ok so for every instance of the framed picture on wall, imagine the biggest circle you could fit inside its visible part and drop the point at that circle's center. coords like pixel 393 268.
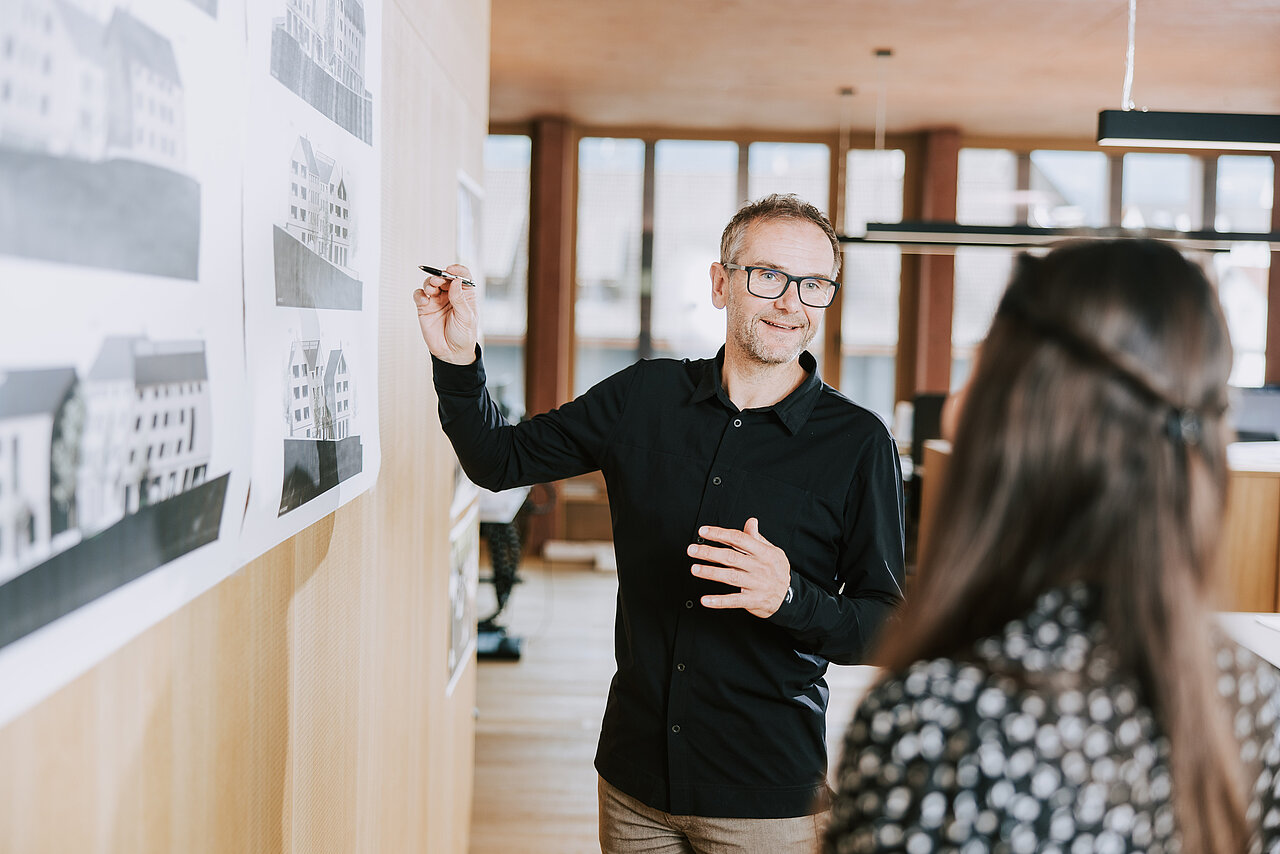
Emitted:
pixel 464 576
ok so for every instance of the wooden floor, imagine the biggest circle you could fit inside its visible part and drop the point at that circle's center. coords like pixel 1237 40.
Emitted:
pixel 538 719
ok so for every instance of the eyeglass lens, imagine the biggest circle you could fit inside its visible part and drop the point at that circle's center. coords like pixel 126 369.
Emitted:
pixel 771 284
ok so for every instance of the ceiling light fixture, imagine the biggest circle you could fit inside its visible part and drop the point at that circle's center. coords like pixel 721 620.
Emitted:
pixel 1161 129
pixel 846 94
pixel 882 55
pixel 932 238
pixel 1152 129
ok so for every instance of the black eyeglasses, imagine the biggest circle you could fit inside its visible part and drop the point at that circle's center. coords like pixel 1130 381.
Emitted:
pixel 767 283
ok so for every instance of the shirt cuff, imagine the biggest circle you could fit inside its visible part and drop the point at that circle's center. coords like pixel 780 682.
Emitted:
pixel 790 614
pixel 458 378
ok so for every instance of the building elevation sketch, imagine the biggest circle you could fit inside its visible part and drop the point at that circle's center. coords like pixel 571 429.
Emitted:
pixel 313 246
pixel 93 142
pixel 103 477
pixel 318 50
pixel 320 449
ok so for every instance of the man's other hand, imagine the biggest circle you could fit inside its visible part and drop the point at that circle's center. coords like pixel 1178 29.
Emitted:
pixel 759 569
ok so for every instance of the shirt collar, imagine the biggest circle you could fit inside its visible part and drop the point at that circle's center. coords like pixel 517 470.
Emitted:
pixel 793 410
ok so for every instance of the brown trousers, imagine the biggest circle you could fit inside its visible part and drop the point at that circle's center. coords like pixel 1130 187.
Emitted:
pixel 628 826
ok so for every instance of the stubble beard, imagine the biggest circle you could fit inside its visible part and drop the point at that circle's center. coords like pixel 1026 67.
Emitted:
pixel 755 347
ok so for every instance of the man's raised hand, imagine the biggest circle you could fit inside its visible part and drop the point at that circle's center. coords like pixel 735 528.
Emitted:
pixel 448 316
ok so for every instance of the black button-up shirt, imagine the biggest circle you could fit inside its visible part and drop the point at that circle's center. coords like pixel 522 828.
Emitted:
pixel 714 712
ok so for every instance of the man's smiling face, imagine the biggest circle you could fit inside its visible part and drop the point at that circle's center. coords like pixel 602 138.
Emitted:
pixel 773 331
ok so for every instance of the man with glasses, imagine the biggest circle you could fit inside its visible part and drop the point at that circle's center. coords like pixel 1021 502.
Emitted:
pixel 758 529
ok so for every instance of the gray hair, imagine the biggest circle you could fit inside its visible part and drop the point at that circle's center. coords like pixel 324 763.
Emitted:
pixel 777 206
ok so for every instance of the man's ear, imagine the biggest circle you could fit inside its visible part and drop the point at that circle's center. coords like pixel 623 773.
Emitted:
pixel 719 285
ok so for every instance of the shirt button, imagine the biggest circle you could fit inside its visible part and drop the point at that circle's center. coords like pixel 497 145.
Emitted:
pixel 701 540
pixel 689 603
pixel 675 728
pixel 737 422
pixel 680 667
pixel 716 481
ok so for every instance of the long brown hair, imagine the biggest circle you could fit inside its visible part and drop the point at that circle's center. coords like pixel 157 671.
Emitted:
pixel 1092 447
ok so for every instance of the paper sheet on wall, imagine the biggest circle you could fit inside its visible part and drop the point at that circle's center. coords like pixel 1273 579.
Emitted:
pixel 123 446
pixel 312 238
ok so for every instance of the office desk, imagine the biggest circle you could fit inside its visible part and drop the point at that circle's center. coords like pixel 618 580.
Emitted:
pixel 1259 633
pixel 1250 534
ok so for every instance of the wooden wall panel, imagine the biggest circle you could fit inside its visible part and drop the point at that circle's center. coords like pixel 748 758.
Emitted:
pixel 1248 574
pixel 301 704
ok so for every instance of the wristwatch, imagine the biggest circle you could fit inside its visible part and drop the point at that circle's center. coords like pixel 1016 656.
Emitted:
pixel 790 595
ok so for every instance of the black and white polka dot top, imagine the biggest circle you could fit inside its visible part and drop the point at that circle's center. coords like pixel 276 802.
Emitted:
pixel 956 757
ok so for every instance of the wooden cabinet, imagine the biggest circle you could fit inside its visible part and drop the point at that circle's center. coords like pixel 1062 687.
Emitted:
pixel 1250 561
pixel 1251 531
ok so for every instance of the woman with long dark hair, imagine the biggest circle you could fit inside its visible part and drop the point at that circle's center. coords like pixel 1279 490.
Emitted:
pixel 1056 681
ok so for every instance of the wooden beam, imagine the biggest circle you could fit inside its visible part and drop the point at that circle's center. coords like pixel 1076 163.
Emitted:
pixel 832 357
pixel 548 353
pixel 1115 188
pixel 1023 206
pixel 549 340
pixel 937 272
pixel 904 373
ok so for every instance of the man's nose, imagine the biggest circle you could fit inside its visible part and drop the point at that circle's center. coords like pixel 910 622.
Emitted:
pixel 789 299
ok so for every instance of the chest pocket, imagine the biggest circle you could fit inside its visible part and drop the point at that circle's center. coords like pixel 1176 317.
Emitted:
pixel 793 519
pixel 776 505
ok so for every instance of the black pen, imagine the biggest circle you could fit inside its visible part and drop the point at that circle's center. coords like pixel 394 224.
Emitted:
pixel 466 283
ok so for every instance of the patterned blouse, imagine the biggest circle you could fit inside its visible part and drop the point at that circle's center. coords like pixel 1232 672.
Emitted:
pixel 954 757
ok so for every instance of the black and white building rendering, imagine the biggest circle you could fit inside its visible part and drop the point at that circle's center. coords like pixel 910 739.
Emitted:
pixel 103 477
pixel 93 141
pixel 318 50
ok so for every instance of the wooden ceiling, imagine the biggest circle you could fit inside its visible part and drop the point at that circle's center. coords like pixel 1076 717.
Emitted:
pixel 992 68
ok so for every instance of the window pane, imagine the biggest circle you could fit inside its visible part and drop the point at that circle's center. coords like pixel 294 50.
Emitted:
pixel 1161 191
pixel 695 187
pixel 506 266
pixel 1068 189
pixel 981 276
pixel 789 167
pixel 986 192
pixel 1245 189
pixel 871 281
pixel 1244 201
pixel 1242 288
pixel 610 220
pixel 869 326
pixel 873 188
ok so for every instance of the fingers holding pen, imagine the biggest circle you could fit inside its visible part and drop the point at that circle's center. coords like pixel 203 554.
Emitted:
pixel 448 313
pixel 455 275
pixel 449 286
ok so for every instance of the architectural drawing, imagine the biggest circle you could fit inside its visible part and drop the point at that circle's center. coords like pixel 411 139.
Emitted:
pixel 320 449
pixel 210 6
pixel 314 247
pixel 102 477
pixel 93 142
pixel 312 225
pixel 148 415
pixel 318 50
pixel 320 402
pixel 464 576
pixel 38 414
